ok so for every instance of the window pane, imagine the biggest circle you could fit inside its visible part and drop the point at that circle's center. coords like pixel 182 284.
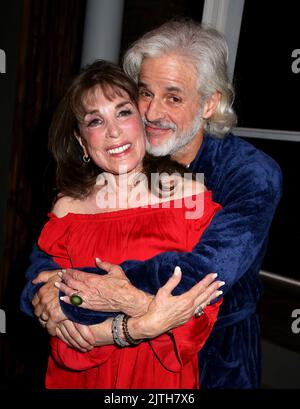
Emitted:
pixel 283 248
pixel 267 88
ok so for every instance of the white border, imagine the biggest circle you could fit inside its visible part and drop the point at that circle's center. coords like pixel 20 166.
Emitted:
pixel 272 134
pixel 280 278
pixel 226 16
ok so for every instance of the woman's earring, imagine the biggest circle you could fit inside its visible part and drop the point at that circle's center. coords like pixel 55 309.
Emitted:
pixel 86 159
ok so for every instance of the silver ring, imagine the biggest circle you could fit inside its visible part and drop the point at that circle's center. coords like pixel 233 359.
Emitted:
pixel 199 311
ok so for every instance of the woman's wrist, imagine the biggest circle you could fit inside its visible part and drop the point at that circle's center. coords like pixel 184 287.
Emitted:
pixel 140 328
pixel 135 328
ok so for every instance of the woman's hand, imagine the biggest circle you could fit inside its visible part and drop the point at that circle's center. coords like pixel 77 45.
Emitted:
pixel 111 292
pixel 76 335
pixel 167 311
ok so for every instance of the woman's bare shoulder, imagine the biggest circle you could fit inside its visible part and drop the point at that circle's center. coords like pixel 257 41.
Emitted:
pixel 65 205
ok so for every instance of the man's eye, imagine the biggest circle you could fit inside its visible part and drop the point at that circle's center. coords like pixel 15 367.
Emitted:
pixel 174 99
pixel 144 94
pixel 125 112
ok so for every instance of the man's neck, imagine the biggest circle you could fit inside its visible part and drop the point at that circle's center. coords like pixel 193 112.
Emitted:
pixel 188 153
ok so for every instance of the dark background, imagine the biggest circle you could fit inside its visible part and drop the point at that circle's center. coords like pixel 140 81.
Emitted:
pixel 42 40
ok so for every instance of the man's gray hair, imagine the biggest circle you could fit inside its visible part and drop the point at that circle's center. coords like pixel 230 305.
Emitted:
pixel 206 48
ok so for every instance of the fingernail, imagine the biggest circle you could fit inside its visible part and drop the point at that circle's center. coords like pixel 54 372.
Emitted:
pixel 63 298
pixel 177 271
pixel 218 293
pixel 63 271
pixel 56 284
pixel 98 260
pixel 60 274
pixel 215 275
pixel 221 283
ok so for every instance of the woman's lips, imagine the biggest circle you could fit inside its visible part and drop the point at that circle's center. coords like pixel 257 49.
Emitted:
pixel 120 150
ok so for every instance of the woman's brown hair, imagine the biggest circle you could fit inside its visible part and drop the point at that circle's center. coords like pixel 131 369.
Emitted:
pixel 74 177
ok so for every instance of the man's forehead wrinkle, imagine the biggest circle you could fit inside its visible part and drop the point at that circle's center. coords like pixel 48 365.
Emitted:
pixel 167 87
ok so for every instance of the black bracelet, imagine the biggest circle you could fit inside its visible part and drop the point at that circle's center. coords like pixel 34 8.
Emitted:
pixel 127 336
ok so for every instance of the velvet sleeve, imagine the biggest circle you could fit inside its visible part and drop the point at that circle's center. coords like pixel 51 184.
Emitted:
pixel 52 241
pixel 39 261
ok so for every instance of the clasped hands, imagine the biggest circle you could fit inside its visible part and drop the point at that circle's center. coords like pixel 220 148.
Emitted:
pixel 113 292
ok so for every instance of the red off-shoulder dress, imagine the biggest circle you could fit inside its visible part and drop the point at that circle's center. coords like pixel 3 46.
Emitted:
pixel 168 361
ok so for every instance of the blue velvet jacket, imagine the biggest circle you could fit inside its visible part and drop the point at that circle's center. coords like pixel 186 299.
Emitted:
pixel 247 183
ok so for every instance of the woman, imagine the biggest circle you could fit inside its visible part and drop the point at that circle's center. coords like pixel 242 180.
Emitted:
pixel 97 129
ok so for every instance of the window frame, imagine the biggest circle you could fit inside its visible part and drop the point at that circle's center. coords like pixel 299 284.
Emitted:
pixel 226 16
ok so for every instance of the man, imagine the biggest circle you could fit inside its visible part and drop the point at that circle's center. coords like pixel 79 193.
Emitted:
pixel 185 99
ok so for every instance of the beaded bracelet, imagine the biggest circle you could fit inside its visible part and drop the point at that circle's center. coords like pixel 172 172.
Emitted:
pixel 127 336
pixel 116 329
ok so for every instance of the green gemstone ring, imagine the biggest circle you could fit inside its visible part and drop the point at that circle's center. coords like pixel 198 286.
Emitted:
pixel 76 299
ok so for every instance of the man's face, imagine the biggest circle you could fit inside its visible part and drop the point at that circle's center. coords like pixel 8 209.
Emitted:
pixel 169 103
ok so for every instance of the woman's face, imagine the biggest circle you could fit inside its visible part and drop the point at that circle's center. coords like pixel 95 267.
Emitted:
pixel 111 132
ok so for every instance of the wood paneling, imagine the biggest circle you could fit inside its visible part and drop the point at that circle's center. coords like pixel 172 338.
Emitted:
pixel 50 45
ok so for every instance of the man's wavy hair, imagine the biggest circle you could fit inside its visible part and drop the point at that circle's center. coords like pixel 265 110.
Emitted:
pixel 206 48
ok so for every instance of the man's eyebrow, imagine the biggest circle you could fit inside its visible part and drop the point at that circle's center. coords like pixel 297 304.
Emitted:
pixel 169 88
pixel 173 88
pixel 142 84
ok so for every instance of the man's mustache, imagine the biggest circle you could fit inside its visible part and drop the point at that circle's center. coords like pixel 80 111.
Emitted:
pixel 160 124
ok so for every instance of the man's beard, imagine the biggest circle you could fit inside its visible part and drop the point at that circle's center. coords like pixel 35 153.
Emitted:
pixel 176 142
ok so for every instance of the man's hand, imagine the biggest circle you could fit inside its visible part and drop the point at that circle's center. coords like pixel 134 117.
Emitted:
pixel 111 292
pixel 46 301
pixel 76 335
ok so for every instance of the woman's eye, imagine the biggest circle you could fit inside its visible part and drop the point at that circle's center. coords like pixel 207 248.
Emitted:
pixel 94 122
pixel 125 112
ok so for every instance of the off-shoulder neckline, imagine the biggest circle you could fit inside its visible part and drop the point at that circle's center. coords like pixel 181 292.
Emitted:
pixel 131 211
